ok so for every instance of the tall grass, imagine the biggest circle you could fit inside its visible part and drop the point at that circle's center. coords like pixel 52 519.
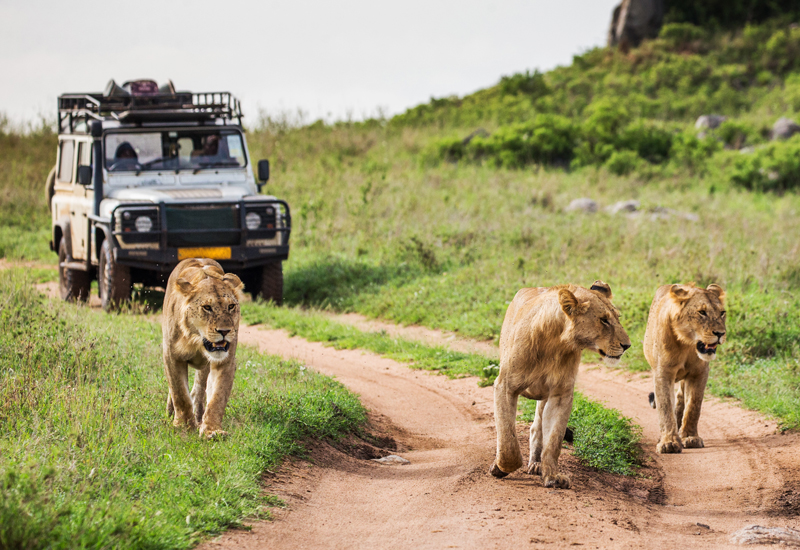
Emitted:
pixel 88 458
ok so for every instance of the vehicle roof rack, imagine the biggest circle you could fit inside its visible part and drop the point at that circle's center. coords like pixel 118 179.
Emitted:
pixel 165 105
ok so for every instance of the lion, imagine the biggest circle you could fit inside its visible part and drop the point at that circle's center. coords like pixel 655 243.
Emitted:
pixel 543 335
pixel 200 329
pixel 685 326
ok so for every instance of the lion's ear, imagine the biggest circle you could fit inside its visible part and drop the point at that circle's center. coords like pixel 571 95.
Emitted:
pixel 602 288
pixel 716 289
pixel 237 284
pixel 678 293
pixel 184 287
pixel 570 304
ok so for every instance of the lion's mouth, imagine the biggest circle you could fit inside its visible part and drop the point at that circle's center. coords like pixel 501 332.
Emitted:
pixel 222 345
pixel 604 354
pixel 706 349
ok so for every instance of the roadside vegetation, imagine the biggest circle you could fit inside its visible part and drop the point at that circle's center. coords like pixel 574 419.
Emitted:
pixel 88 458
pixel 603 438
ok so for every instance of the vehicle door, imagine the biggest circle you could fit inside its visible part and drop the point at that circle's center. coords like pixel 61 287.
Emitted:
pixel 64 187
pixel 83 203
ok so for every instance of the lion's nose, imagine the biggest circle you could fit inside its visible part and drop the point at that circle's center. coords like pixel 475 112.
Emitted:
pixel 223 332
pixel 625 347
pixel 719 334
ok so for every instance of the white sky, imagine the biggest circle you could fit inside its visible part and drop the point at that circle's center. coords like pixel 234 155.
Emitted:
pixel 330 58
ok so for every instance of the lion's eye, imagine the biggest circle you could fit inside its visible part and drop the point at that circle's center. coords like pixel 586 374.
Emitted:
pixel 703 313
pixel 231 307
pixel 604 320
pixel 208 308
pixel 723 313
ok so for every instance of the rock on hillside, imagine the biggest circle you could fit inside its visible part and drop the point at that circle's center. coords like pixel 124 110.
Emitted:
pixel 635 20
pixel 784 128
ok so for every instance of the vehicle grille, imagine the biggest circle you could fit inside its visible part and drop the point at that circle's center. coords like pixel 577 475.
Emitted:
pixel 203 226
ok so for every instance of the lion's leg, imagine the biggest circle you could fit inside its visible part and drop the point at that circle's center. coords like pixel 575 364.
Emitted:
pixel 536 441
pixel 680 403
pixel 665 405
pixel 170 406
pixel 509 457
pixel 695 388
pixel 219 385
pixel 178 379
pixel 199 393
pixel 555 415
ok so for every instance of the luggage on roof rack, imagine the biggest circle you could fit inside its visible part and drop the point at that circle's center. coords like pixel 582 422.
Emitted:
pixel 143 101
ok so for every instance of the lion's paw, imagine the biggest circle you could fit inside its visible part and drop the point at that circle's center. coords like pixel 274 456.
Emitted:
pixel 669 445
pixel 210 434
pixel 497 472
pixel 559 481
pixel 534 468
pixel 189 423
pixel 693 442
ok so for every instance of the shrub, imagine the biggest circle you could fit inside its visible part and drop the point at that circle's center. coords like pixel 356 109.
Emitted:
pixel 775 167
pixel 735 133
pixel 527 83
pixel 692 152
pixel 547 139
pixel 599 135
pixel 623 162
pixel 652 143
pixel 681 35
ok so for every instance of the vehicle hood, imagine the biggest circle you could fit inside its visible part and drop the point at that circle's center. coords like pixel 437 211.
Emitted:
pixel 179 194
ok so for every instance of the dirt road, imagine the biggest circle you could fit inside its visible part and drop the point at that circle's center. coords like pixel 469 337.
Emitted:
pixel 747 474
pixel 444 498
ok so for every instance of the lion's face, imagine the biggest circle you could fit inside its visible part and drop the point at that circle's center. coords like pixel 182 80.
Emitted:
pixel 595 321
pixel 212 312
pixel 701 318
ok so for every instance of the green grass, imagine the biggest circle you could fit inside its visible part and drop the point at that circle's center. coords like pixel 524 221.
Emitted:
pixel 88 458
pixel 604 439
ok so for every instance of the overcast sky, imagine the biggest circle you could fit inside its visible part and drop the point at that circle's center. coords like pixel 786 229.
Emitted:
pixel 329 58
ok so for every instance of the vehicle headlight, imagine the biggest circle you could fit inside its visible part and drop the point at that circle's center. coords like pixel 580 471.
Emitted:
pixel 252 221
pixel 143 224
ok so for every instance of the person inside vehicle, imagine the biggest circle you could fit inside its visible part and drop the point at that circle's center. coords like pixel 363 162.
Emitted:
pixel 125 157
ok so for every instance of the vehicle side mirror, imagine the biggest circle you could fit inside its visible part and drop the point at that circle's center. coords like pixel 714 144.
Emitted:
pixel 84 175
pixel 263 171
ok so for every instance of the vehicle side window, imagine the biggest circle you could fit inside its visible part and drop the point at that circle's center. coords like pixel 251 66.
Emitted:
pixel 84 154
pixel 67 159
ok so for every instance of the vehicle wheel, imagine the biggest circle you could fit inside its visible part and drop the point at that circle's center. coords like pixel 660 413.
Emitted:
pixel 73 284
pixel 271 285
pixel 113 280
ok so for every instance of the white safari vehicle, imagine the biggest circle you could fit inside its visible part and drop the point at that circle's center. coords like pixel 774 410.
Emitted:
pixel 145 177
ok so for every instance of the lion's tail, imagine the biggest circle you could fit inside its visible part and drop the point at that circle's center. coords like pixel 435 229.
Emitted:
pixel 652 398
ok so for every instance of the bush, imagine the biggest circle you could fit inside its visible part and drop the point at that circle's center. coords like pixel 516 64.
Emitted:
pixel 735 133
pixel 527 83
pixel 652 143
pixel 600 131
pixel 623 162
pixel 692 152
pixel 681 35
pixel 547 139
pixel 775 167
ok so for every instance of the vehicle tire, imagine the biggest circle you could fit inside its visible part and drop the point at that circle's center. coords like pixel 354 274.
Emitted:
pixel 113 280
pixel 271 284
pixel 73 284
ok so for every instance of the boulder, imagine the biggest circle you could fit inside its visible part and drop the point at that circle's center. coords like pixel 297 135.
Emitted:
pixel 784 128
pixel 634 20
pixel 709 122
pixel 623 207
pixel 582 205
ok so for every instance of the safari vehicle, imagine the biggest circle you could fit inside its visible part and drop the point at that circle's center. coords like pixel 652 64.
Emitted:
pixel 146 177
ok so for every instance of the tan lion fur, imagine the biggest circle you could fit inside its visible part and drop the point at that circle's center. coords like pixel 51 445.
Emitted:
pixel 543 334
pixel 201 308
pixel 684 327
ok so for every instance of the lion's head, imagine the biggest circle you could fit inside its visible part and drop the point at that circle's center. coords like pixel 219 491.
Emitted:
pixel 594 320
pixel 700 320
pixel 210 310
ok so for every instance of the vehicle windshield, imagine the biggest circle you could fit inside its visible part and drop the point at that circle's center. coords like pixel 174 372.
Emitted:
pixel 174 150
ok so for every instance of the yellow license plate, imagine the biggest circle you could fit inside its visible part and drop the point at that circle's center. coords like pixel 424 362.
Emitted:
pixel 215 253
